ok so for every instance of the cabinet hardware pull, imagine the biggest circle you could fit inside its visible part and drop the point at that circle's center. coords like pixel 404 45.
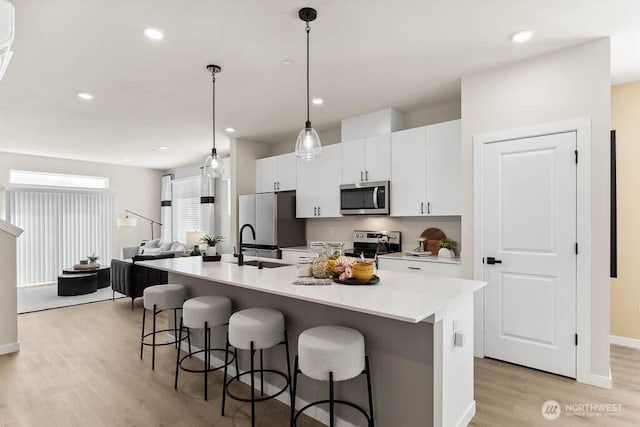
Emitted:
pixel 278 184
pixel 315 211
pixel 318 210
pixel 422 208
pixel 361 176
pixel 429 207
pixel 274 186
pixel 366 175
pixel 414 268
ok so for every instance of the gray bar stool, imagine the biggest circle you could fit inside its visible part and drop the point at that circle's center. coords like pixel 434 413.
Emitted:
pixel 256 329
pixel 332 353
pixel 160 298
pixel 204 312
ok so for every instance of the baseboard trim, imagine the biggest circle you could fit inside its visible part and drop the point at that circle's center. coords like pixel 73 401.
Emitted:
pixel 13 347
pixel 468 415
pixel 625 342
pixel 316 412
pixel 597 380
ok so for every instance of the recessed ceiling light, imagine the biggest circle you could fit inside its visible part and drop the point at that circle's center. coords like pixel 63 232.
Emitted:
pixel 287 62
pixel 153 34
pixel 163 147
pixel 522 36
pixel 126 159
pixel 230 130
pixel 85 96
pixel 317 101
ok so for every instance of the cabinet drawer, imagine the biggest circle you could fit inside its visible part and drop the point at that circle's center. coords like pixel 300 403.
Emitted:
pixel 421 267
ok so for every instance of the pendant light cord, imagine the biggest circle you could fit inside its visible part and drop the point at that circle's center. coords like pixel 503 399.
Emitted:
pixel 308 30
pixel 213 110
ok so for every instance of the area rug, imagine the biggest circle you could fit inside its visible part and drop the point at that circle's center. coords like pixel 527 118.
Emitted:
pixel 39 298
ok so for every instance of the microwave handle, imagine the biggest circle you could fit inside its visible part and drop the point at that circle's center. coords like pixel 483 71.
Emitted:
pixel 375 197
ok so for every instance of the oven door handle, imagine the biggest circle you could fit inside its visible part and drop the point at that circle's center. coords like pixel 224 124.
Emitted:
pixel 375 197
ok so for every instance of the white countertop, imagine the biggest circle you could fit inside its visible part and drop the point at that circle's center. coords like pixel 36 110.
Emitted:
pixel 405 257
pixel 400 296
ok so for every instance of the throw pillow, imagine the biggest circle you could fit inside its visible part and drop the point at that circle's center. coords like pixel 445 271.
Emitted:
pixel 177 246
pixel 153 243
pixel 165 246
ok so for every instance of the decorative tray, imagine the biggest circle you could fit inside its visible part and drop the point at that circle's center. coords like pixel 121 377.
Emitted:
pixel 211 258
pixel 355 282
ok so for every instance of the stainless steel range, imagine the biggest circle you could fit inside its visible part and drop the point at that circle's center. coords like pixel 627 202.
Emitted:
pixel 372 243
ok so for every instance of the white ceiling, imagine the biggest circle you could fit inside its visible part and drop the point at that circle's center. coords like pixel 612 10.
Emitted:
pixel 366 55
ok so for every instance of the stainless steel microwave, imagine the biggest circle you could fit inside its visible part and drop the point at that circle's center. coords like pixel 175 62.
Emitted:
pixel 365 198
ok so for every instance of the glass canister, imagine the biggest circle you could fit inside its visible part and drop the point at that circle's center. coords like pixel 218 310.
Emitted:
pixel 304 267
pixel 334 251
pixel 320 268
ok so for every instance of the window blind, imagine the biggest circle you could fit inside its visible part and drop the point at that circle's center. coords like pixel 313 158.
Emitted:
pixel 186 206
pixel 60 228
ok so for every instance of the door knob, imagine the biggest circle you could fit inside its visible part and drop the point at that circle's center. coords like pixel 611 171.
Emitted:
pixel 491 260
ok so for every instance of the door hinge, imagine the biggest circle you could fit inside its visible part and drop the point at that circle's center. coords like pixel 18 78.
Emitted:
pixel 576 248
pixel 576 152
pixel 576 339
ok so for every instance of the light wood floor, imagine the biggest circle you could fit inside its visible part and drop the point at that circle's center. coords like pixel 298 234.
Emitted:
pixel 79 366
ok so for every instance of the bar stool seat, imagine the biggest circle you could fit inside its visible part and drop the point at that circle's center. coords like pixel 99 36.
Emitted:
pixel 332 353
pixel 164 297
pixel 262 326
pixel 326 349
pixel 204 312
pixel 159 298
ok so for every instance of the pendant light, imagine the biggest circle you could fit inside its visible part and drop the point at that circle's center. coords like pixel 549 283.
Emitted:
pixel 308 146
pixel 212 166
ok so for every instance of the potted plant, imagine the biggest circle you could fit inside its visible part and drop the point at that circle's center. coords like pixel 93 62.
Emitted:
pixel 447 248
pixel 93 258
pixel 211 242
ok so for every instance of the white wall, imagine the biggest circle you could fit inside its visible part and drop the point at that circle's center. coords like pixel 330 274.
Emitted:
pixel 135 189
pixel 8 294
pixel 567 84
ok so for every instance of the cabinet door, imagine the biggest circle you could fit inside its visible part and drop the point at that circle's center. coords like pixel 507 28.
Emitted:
pixel 306 188
pixel 329 178
pixel 444 169
pixel 408 186
pixel 265 174
pixel 286 172
pixel 352 160
pixel 377 158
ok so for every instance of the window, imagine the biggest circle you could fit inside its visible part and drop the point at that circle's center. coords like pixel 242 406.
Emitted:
pixel 61 227
pixel 185 201
pixel 43 179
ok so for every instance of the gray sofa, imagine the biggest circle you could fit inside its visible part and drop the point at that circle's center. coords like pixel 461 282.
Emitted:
pixel 156 247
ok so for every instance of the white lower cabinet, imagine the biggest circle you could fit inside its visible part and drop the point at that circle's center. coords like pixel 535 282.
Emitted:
pixel 426 268
pixel 291 257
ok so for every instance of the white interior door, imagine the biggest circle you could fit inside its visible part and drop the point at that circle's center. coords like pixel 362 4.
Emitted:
pixel 529 216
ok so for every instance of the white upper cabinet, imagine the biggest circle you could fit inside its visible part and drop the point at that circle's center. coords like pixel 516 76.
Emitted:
pixel 444 168
pixel 426 165
pixel 408 176
pixel 276 173
pixel 366 159
pixel 318 185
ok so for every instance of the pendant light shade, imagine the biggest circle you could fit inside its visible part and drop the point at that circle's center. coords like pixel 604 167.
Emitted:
pixel 308 145
pixel 212 166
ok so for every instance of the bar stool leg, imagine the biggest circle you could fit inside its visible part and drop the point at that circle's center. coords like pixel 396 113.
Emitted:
pixel 261 375
pixel 235 354
pixel 175 325
pixel 366 361
pixel 286 349
pixel 153 349
pixel 175 384
pixel 293 392
pixel 331 404
pixel 144 312
pixel 188 338
pixel 253 391
pixel 224 377
pixel 207 356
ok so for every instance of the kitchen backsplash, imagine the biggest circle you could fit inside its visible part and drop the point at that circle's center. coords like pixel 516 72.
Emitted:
pixel 341 229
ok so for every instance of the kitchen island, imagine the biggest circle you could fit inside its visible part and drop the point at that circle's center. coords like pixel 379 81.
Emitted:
pixel 421 376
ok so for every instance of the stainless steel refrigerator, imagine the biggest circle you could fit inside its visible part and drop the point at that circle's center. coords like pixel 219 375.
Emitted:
pixel 273 216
